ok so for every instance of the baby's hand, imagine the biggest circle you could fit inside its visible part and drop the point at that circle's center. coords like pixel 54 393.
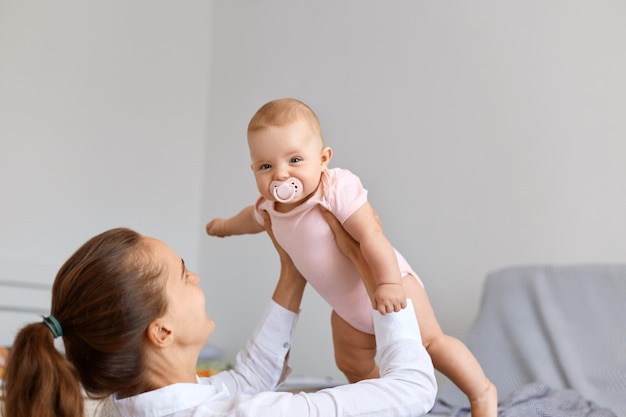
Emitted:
pixel 217 227
pixel 389 298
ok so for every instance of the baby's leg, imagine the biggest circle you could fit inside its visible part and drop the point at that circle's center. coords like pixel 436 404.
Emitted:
pixel 450 356
pixel 355 351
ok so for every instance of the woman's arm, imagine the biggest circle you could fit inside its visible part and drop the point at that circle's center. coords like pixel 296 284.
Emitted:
pixel 407 386
pixel 290 287
pixel 262 364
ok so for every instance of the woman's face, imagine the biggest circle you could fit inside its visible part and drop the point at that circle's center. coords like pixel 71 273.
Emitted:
pixel 186 315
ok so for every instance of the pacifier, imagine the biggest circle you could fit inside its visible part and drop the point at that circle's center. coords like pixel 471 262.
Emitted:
pixel 287 190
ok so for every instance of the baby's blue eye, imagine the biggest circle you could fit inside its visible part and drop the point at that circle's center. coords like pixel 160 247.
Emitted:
pixel 265 166
pixel 296 159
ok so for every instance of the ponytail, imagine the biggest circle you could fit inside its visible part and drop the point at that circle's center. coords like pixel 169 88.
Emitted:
pixel 39 380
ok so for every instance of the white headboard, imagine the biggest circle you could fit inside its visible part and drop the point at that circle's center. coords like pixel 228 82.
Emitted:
pixel 24 297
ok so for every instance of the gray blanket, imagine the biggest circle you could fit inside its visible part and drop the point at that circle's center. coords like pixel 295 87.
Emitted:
pixel 535 400
pixel 550 334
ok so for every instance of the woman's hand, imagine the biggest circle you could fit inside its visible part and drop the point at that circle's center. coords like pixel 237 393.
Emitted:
pixel 290 287
pixel 346 243
pixel 284 256
pixel 350 247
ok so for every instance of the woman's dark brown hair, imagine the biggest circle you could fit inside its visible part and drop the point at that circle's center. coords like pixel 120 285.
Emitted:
pixel 104 296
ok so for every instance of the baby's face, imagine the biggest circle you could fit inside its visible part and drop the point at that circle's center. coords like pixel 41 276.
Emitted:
pixel 281 152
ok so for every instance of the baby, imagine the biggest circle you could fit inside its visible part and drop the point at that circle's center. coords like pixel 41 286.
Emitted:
pixel 290 165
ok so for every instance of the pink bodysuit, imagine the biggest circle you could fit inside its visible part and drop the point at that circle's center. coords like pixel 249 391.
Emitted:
pixel 310 242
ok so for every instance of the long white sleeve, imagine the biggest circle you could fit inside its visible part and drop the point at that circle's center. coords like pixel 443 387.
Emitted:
pixel 406 387
pixel 261 365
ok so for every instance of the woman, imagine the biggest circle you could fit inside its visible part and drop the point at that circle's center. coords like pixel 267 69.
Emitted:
pixel 133 321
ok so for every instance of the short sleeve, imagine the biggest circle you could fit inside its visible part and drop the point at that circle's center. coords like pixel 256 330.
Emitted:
pixel 260 205
pixel 343 192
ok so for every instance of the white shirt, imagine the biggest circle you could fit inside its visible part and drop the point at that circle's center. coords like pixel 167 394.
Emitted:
pixel 406 388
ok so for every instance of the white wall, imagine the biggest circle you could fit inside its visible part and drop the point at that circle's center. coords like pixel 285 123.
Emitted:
pixel 103 111
pixel 488 133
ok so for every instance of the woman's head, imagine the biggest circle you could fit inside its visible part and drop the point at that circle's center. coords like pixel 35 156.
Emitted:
pixel 104 297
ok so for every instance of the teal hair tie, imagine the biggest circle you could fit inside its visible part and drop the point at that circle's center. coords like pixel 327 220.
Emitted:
pixel 54 326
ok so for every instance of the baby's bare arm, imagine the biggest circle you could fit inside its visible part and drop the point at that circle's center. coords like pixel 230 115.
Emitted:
pixel 386 290
pixel 241 223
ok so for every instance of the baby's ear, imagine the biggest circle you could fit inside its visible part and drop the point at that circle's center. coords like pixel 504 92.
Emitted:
pixel 327 154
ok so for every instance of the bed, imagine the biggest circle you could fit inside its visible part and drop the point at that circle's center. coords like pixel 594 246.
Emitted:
pixel 553 341
pixel 21 302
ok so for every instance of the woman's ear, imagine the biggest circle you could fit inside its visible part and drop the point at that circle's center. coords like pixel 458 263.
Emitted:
pixel 159 334
pixel 327 154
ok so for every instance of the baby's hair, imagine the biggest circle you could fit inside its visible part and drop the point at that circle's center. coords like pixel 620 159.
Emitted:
pixel 281 112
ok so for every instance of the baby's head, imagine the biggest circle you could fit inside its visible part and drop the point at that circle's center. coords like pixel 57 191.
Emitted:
pixel 282 112
pixel 287 151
